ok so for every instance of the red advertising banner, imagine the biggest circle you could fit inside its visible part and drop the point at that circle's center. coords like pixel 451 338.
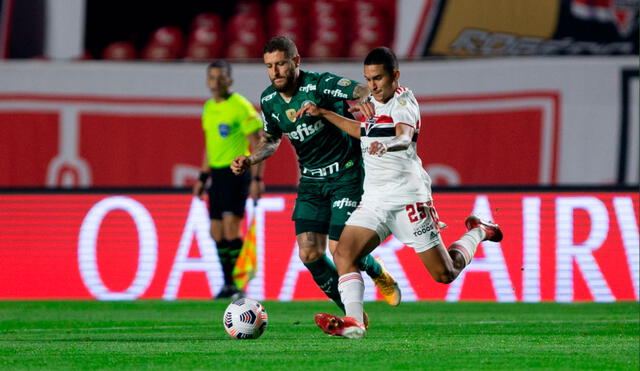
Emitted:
pixel 568 246
pixel 108 141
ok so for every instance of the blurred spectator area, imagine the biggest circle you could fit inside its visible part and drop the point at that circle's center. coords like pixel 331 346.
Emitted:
pixel 202 30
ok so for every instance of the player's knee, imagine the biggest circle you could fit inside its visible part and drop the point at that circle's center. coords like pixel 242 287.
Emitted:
pixel 309 254
pixel 445 276
pixel 342 255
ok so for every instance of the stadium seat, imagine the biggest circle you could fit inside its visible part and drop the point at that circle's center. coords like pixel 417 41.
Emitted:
pixel 286 18
pixel 208 21
pixel 158 52
pixel 245 36
pixel 120 51
pixel 328 36
pixel 167 40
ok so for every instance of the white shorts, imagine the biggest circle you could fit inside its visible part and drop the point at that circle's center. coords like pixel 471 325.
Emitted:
pixel 415 225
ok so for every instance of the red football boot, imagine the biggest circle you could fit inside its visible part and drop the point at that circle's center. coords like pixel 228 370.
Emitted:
pixel 492 230
pixel 347 327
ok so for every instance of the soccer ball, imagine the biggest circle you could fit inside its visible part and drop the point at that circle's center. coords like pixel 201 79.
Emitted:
pixel 245 319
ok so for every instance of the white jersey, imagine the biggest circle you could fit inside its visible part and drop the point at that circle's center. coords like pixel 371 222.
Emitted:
pixel 395 177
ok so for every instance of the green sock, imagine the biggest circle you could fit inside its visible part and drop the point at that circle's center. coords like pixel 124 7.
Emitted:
pixel 326 277
pixel 370 265
pixel 233 251
pixel 223 255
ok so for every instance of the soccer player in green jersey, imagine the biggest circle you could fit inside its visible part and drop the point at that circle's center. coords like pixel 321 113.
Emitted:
pixel 230 123
pixel 330 161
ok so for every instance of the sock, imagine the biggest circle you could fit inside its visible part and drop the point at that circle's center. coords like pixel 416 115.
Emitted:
pixel 468 243
pixel 351 288
pixel 233 251
pixel 370 265
pixel 326 277
pixel 223 255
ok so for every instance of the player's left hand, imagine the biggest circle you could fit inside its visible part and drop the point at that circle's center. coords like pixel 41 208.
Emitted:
pixel 377 148
pixel 308 109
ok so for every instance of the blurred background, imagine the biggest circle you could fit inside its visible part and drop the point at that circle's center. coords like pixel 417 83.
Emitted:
pixel 538 99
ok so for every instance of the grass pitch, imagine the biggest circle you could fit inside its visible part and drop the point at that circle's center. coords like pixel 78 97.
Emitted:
pixel 426 335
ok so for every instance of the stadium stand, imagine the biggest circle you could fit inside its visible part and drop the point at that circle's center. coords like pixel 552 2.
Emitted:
pixel 322 29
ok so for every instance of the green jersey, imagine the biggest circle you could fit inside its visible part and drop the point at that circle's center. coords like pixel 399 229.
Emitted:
pixel 323 149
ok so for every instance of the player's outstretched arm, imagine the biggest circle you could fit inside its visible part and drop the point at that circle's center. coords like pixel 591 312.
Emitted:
pixel 266 148
pixel 351 127
pixel 402 140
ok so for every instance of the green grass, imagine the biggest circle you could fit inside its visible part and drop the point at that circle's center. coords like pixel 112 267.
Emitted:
pixel 426 335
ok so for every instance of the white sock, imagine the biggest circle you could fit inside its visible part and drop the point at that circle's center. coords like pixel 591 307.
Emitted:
pixel 468 243
pixel 351 287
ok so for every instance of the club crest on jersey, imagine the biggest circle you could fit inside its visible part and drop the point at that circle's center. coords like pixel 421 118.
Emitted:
pixel 291 114
pixel 368 123
pixel 402 102
pixel 344 82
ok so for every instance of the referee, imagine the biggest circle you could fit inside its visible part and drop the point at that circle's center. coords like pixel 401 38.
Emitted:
pixel 230 123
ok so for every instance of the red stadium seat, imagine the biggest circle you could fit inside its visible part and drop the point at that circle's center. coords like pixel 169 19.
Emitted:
pixel 245 36
pixel 158 52
pixel 207 20
pixel 286 18
pixel 200 52
pixel 119 51
pixel 170 37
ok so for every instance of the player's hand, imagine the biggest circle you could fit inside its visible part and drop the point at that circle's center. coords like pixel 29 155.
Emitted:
pixel 308 109
pixel 377 148
pixel 256 189
pixel 240 165
pixel 198 190
pixel 366 108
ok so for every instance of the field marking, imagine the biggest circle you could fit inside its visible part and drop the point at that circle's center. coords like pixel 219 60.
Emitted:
pixel 128 328
pixel 104 328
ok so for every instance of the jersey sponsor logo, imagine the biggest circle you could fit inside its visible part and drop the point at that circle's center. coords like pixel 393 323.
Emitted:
pixel 303 131
pixel 291 114
pixel 224 129
pixel 307 88
pixel 337 93
pixel 426 227
pixel 345 202
pixel 321 172
pixel 344 82
pixel 267 98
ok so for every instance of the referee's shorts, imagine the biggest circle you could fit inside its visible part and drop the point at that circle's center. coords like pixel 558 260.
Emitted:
pixel 228 193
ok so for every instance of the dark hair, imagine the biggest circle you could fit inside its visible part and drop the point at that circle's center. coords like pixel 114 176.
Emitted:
pixel 221 63
pixel 384 56
pixel 281 44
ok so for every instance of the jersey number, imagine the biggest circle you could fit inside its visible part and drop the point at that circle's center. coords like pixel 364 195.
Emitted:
pixel 411 211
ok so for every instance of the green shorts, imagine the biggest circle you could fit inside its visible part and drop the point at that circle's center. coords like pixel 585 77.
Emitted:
pixel 323 206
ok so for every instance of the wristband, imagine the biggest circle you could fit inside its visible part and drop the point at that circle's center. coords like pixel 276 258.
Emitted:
pixel 203 177
pixel 257 178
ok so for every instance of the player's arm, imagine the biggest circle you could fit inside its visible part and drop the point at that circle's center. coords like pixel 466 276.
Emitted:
pixel 256 189
pixel 402 140
pixel 351 127
pixel 205 170
pixel 266 147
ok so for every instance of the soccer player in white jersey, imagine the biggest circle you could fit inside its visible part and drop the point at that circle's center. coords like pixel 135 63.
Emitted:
pixel 397 194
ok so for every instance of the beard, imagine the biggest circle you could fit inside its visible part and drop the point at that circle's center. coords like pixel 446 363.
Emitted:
pixel 288 84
